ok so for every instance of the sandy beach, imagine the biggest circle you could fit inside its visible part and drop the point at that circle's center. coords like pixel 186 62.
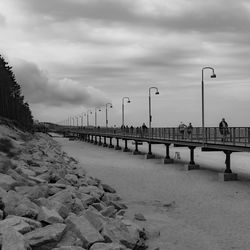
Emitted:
pixel 192 209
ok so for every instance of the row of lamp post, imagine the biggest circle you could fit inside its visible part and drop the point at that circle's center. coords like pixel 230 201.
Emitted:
pixel 109 105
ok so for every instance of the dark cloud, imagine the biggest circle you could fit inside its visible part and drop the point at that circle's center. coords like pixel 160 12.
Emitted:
pixel 221 15
pixel 38 88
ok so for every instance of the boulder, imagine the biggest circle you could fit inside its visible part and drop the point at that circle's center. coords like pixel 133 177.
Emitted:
pixel 62 210
pixel 6 182
pixel 84 230
pixel 11 239
pixel 95 218
pixel 21 224
pixel 109 211
pixel 108 246
pixel 69 248
pixel 33 192
pixel 116 231
pixel 71 178
pixel 77 206
pixel 108 188
pixel 80 172
pixel 17 204
pixel 86 199
pixel 70 239
pixel 49 215
pixel 46 237
pixel 65 197
pixel 139 216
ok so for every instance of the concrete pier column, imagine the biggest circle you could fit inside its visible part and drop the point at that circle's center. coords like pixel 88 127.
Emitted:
pixel 136 151
pixel 105 142
pixel 95 140
pixel 228 175
pixel 167 159
pixel 126 149
pixel 110 143
pixel 92 139
pixel 100 141
pixel 149 155
pixel 191 164
pixel 117 147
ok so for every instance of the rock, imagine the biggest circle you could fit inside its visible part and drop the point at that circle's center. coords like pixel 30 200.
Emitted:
pixel 11 239
pixel 92 181
pixel 49 215
pixel 21 224
pixel 84 230
pixel 109 211
pixel 95 218
pixel 77 206
pixel 33 192
pixel 116 231
pixel 99 206
pixel 17 204
pixel 46 237
pixel 70 239
pixel 65 197
pixel 69 248
pixel 107 197
pixel 71 178
pixel 24 170
pixel 86 199
pixel 80 172
pixel 118 205
pixel 6 182
pixel 107 188
pixel 108 246
pixel 62 210
pixel 5 163
pixel 1 214
pixel 139 216
pixel 36 179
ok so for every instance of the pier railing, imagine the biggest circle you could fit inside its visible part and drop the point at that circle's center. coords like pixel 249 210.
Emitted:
pixel 233 136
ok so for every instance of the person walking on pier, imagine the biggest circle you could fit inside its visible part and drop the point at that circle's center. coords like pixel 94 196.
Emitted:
pixel 182 128
pixel 144 129
pixel 189 130
pixel 223 127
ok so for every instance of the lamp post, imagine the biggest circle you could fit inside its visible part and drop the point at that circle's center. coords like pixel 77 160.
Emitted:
pixel 202 99
pixel 149 155
pixel 96 115
pixel 89 111
pixel 128 101
pixel 110 105
pixel 76 120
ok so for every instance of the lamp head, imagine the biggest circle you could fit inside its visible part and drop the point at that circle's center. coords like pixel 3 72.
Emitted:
pixel 213 75
pixel 129 101
pixel 111 106
pixel 157 93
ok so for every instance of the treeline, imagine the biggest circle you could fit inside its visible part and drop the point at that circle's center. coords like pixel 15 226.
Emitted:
pixel 12 104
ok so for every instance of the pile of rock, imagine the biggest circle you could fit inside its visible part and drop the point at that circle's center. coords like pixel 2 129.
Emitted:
pixel 48 201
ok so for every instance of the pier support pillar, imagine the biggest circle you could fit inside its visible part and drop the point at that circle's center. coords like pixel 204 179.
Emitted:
pixel 117 147
pixel 92 139
pixel 149 155
pixel 136 151
pixel 126 149
pixel 95 140
pixel 105 142
pixel 167 159
pixel 192 164
pixel 228 175
pixel 100 141
pixel 110 143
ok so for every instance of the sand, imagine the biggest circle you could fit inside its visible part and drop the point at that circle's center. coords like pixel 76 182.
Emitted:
pixel 192 209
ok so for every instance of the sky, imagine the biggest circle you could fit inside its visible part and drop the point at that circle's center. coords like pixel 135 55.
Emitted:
pixel 71 56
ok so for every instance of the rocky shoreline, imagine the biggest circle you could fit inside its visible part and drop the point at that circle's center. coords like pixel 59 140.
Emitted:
pixel 48 201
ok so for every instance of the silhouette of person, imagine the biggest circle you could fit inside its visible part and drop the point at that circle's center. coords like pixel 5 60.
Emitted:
pixel 182 127
pixel 189 129
pixel 223 127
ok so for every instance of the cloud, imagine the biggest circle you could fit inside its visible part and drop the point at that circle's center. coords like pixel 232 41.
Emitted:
pixel 2 20
pixel 38 88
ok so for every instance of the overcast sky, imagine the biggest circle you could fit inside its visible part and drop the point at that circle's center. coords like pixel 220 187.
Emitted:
pixel 70 56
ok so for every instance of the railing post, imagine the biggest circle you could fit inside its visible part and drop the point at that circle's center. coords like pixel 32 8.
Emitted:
pixel 248 135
